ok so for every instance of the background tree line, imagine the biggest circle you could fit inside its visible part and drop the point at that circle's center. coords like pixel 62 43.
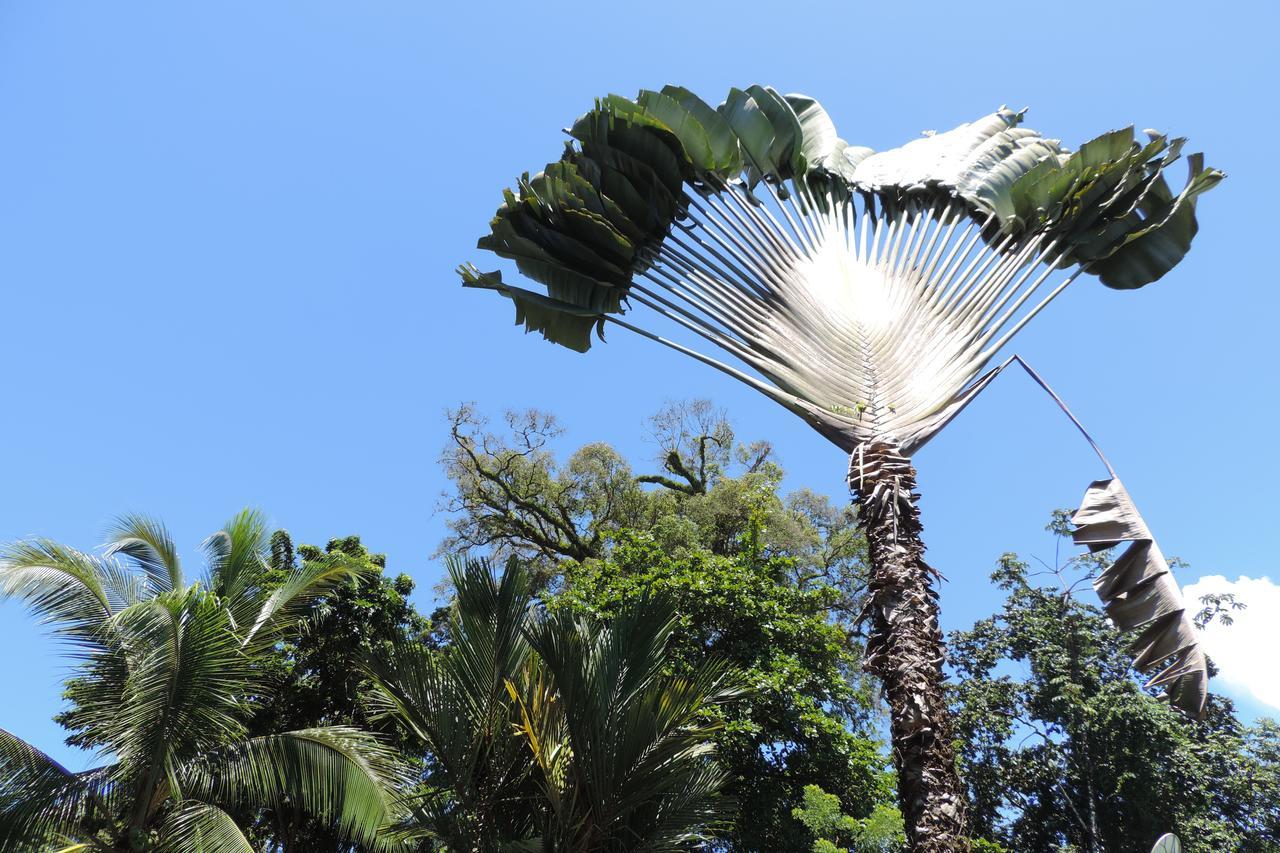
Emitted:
pixel 702 576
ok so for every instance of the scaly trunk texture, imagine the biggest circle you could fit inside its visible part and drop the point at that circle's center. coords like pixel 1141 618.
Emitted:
pixel 905 649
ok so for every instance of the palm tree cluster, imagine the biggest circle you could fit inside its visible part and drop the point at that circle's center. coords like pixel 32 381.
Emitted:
pixel 612 753
pixel 546 731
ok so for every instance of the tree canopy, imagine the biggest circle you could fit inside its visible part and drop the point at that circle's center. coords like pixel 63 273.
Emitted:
pixel 1061 747
pixel 771 581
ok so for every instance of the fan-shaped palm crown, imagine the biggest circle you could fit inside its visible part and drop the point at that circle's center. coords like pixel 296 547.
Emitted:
pixel 865 291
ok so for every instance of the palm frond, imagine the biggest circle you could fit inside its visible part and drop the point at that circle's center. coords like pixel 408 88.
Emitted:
pixel 145 541
pixel 639 740
pixel 186 676
pixel 456 699
pixel 74 592
pixel 236 561
pixel 864 291
pixel 41 802
pixel 290 602
pixel 338 774
pixel 196 827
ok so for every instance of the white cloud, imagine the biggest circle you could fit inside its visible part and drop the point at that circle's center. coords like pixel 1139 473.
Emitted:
pixel 1246 650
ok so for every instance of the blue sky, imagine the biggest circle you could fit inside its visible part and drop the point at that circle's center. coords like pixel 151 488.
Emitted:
pixel 228 233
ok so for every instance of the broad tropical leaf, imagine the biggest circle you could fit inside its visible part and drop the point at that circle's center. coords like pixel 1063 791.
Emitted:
pixel 146 543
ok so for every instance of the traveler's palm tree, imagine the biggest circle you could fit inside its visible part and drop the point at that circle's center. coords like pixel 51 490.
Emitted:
pixel 866 292
pixel 166 671
pixel 554 732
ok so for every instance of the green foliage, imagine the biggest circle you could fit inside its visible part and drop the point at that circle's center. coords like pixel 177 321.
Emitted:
pixel 316 675
pixel 552 731
pixel 771 581
pixel 511 495
pixel 1061 746
pixel 880 832
pixel 164 668
pixel 804 722
pixel 821 815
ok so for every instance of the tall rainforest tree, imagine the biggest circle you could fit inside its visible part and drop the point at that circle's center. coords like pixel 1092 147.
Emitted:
pixel 554 732
pixel 166 666
pixel 866 292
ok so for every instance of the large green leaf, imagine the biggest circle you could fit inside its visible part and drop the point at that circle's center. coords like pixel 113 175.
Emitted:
pixel 559 322
pixel 818 137
pixel 1163 239
pixel 752 127
pixel 725 150
pixel 672 115
pixel 787 149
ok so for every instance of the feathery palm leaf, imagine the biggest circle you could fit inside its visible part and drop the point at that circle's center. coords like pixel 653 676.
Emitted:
pixel 185 680
pixel 74 592
pixel 196 827
pixel 41 802
pixel 335 772
pixel 628 746
pixel 146 543
pixel 294 597
pixel 236 562
pixel 165 672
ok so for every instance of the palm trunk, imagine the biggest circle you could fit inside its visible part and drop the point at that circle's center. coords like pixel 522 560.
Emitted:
pixel 905 649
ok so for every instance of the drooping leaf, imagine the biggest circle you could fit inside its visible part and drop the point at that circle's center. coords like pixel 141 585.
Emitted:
pixel 1164 236
pixel 1139 592
pixel 559 322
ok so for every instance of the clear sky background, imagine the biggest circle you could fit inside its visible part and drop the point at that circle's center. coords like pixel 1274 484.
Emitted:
pixel 228 233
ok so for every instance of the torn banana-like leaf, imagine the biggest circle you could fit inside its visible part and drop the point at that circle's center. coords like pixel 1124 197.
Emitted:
pixel 1139 594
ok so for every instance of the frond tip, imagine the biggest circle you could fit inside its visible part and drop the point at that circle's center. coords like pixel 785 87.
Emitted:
pixel 864 291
